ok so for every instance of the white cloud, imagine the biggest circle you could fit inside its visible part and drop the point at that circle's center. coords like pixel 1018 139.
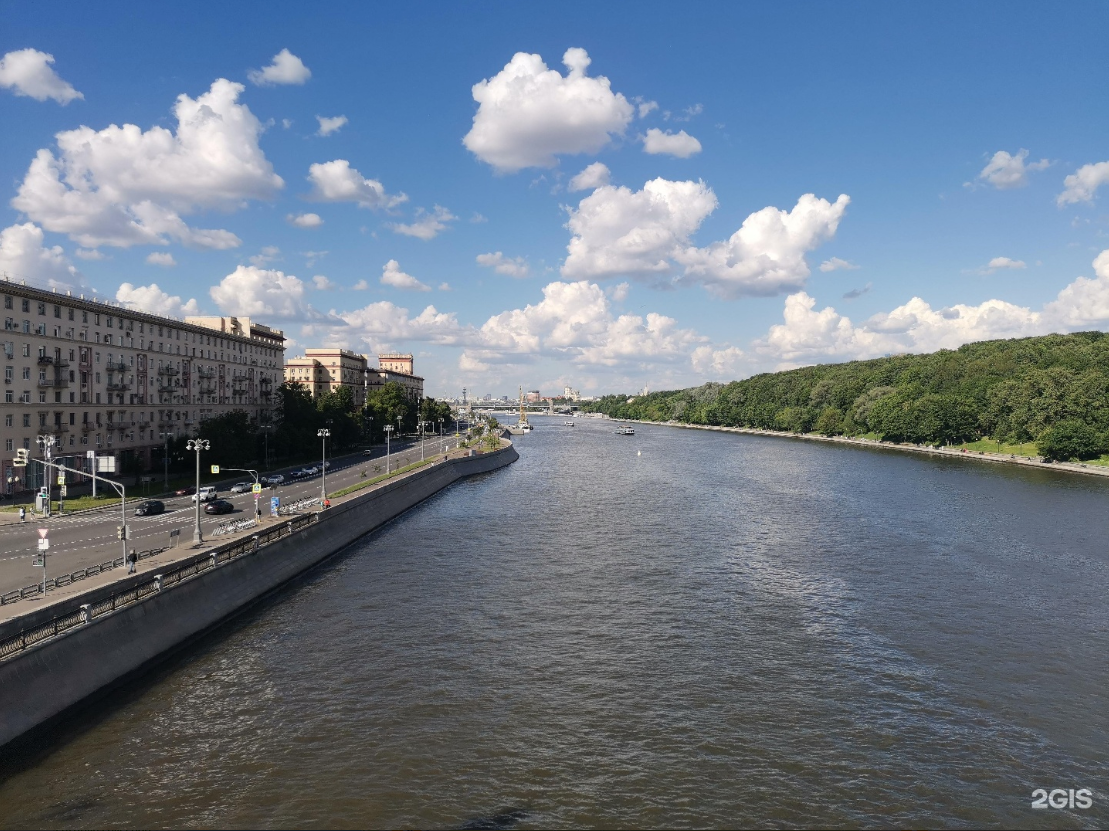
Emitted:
pixel 24 257
pixel 592 177
pixel 1084 302
pixel 27 72
pixel 304 220
pixel 646 234
pixel 361 285
pixel 719 364
pixel 1081 185
pixel 121 186
pixel 310 257
pixel 836 264
pixel 269 254
pixel 1005 171
pixel 477 218
pixel 517 267
pixel 427 225
pixel 618 232
pixel 679 144
pixel 323 284
pixel 337 181
pixel 855 294
pixel 391 275
pixel 1003 262
pixel 286 68
pixel 689 113
pixel 645 108
pixel 286 123
pixel 529 114
pixel 330 125
pixel 90 254
pixel 257 292
pixel 153 300
pixel 619 292
pixel 381 325
pixel 162 258
pixel 444 286
pixel 766 256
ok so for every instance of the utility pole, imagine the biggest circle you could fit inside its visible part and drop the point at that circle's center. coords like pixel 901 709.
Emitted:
pixel 323 433
pixel 388 433
pixel 47 445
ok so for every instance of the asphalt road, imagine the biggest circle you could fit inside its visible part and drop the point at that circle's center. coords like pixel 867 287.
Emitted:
pixel 85 539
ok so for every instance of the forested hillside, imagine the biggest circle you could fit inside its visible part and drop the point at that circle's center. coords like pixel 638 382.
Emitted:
pixel 1053 390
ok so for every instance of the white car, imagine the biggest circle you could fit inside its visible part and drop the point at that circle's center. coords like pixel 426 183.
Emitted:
pixel 206 494
pixel 275 479
pixel 241 487
pixel 311 471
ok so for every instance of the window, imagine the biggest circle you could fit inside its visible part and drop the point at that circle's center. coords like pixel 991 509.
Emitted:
pixel 26 305
pixel 26 327
pixel 108 321
pixel 7 301
pixel 26 373
pixel 71 314
pixel 42 397
pixel 42 309
pixel 8 444
pixel 84 317
pixel 26 350
pixel 26 419
pixel 57 311
pixel 8 396
pixel 9 420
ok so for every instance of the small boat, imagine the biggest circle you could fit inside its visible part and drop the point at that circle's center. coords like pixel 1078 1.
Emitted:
pixel 567 424
pixel 625 430
pixel 522 426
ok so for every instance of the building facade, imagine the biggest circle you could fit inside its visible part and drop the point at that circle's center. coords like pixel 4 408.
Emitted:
pixel 326 370
pixel 99 377
pixel 398 368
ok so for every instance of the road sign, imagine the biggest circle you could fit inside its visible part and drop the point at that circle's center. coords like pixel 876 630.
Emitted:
pixel 256 488
pixel 43 532
pixel 215 468
pixel 39 560
pixel 61 478
pixel 275 503
pixel 44 544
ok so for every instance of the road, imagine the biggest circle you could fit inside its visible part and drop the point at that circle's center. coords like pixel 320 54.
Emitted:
pixel 84 539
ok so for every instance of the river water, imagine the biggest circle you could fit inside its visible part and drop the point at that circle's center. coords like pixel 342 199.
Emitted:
pixel 677 628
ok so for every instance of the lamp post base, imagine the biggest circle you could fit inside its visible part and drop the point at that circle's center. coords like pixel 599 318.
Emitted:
pixel 198 537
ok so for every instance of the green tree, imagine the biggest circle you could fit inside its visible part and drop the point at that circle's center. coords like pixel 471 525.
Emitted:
pixel 384 405
pixel 1070 439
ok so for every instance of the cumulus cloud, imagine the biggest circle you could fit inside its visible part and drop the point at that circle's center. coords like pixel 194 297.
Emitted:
pixel 304 220
pixel 426 225
pixel 529 114
pixel 592 177
pixel 121 186
pixel 24 257
pixel 719 364
pixel 645 108
pixel 1081 185
pixel 269 254
pixel 162 258
pixel 647 234
pixel 619 292
pixel 836 264
pixel 1007 171
pixel 258 292
pixel 811 336
pixel 286 68
pixel 679 144
pixel 337 181
pixel 361 285
pixel 391 275
pixel 330 125
pixel 998 263
pixel 28 72
pixel 512 267
pixel 323 284
pixel 153 300
pixel 382 324
pixel 90 254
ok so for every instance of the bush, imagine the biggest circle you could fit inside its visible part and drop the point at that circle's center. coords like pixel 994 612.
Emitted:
pixel 1070 439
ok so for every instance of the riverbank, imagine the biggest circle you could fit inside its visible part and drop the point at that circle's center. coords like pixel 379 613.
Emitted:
pixel 90 639
pixel 947 452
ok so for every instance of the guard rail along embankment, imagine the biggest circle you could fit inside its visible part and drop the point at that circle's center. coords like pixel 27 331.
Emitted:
pixel 58 656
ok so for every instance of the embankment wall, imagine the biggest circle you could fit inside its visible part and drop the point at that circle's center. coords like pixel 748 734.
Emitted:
pixel 46 679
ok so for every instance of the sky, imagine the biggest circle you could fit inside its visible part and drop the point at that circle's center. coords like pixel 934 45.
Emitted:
pixel 609 197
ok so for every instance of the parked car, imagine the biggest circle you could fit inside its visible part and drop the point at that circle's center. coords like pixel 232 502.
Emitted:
pixel 191 489
pixel 150 507
pixel 219 506
pixel 206 494
pixel 367 452
pixel 311 471
pixel 242 487
pixel 273 479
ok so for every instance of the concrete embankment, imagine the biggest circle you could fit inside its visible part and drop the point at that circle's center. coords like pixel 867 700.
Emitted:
pixel 115 631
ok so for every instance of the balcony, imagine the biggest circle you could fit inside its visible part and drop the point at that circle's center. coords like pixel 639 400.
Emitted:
pixel 118 387
pixel 205 373
pixel 166 388
pixel 207 390
pixel 61 428
pixel 47 382
pixel 117 366
pixel 168 370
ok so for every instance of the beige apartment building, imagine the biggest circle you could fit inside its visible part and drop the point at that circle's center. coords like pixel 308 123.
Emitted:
pixel 99 377
pixel 325 370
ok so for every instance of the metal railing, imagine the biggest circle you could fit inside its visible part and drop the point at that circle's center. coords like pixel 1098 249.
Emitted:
pixel 87 612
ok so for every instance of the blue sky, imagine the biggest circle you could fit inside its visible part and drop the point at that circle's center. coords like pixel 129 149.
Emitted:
pixel 827 182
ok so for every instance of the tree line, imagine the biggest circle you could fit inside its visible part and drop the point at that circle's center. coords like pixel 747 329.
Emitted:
pixel 1051 390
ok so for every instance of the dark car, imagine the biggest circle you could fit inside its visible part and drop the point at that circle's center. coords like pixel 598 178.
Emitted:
pixel 189 491
pixel 219 506
pixel 149 507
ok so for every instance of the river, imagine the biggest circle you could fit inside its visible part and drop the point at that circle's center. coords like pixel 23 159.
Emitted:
pixel 672 629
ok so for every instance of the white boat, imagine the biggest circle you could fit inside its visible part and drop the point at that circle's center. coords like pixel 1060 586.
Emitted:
pixel 625 430
pixel 567 424
pixel 522 426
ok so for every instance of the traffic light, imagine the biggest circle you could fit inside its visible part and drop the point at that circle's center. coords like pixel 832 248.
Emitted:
pixel 121 532
pixel 20 459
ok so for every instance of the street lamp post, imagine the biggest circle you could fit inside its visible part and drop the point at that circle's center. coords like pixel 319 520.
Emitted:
pixel 323 433
pixel 388 434
pixel 198 445
pixel 440 435
pixel 165 458
pixel 371 429
pixel 47 445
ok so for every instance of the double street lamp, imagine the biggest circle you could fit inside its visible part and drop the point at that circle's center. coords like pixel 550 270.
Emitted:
pixel 388 434
pixel 323 433
pixel 198 445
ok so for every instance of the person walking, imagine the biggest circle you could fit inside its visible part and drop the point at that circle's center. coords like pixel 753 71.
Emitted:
pixel 326 503
pixel 22 514
pixel 132 559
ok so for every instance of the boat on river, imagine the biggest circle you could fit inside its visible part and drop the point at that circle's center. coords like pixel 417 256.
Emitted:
pixel 625 430
pixel 522 426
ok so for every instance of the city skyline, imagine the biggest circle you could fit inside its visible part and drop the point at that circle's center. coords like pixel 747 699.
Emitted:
pixel 580 198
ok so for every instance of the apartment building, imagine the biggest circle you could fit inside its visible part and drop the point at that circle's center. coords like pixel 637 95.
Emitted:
pixel 99 377
pixel 326 370
pixel 399 368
